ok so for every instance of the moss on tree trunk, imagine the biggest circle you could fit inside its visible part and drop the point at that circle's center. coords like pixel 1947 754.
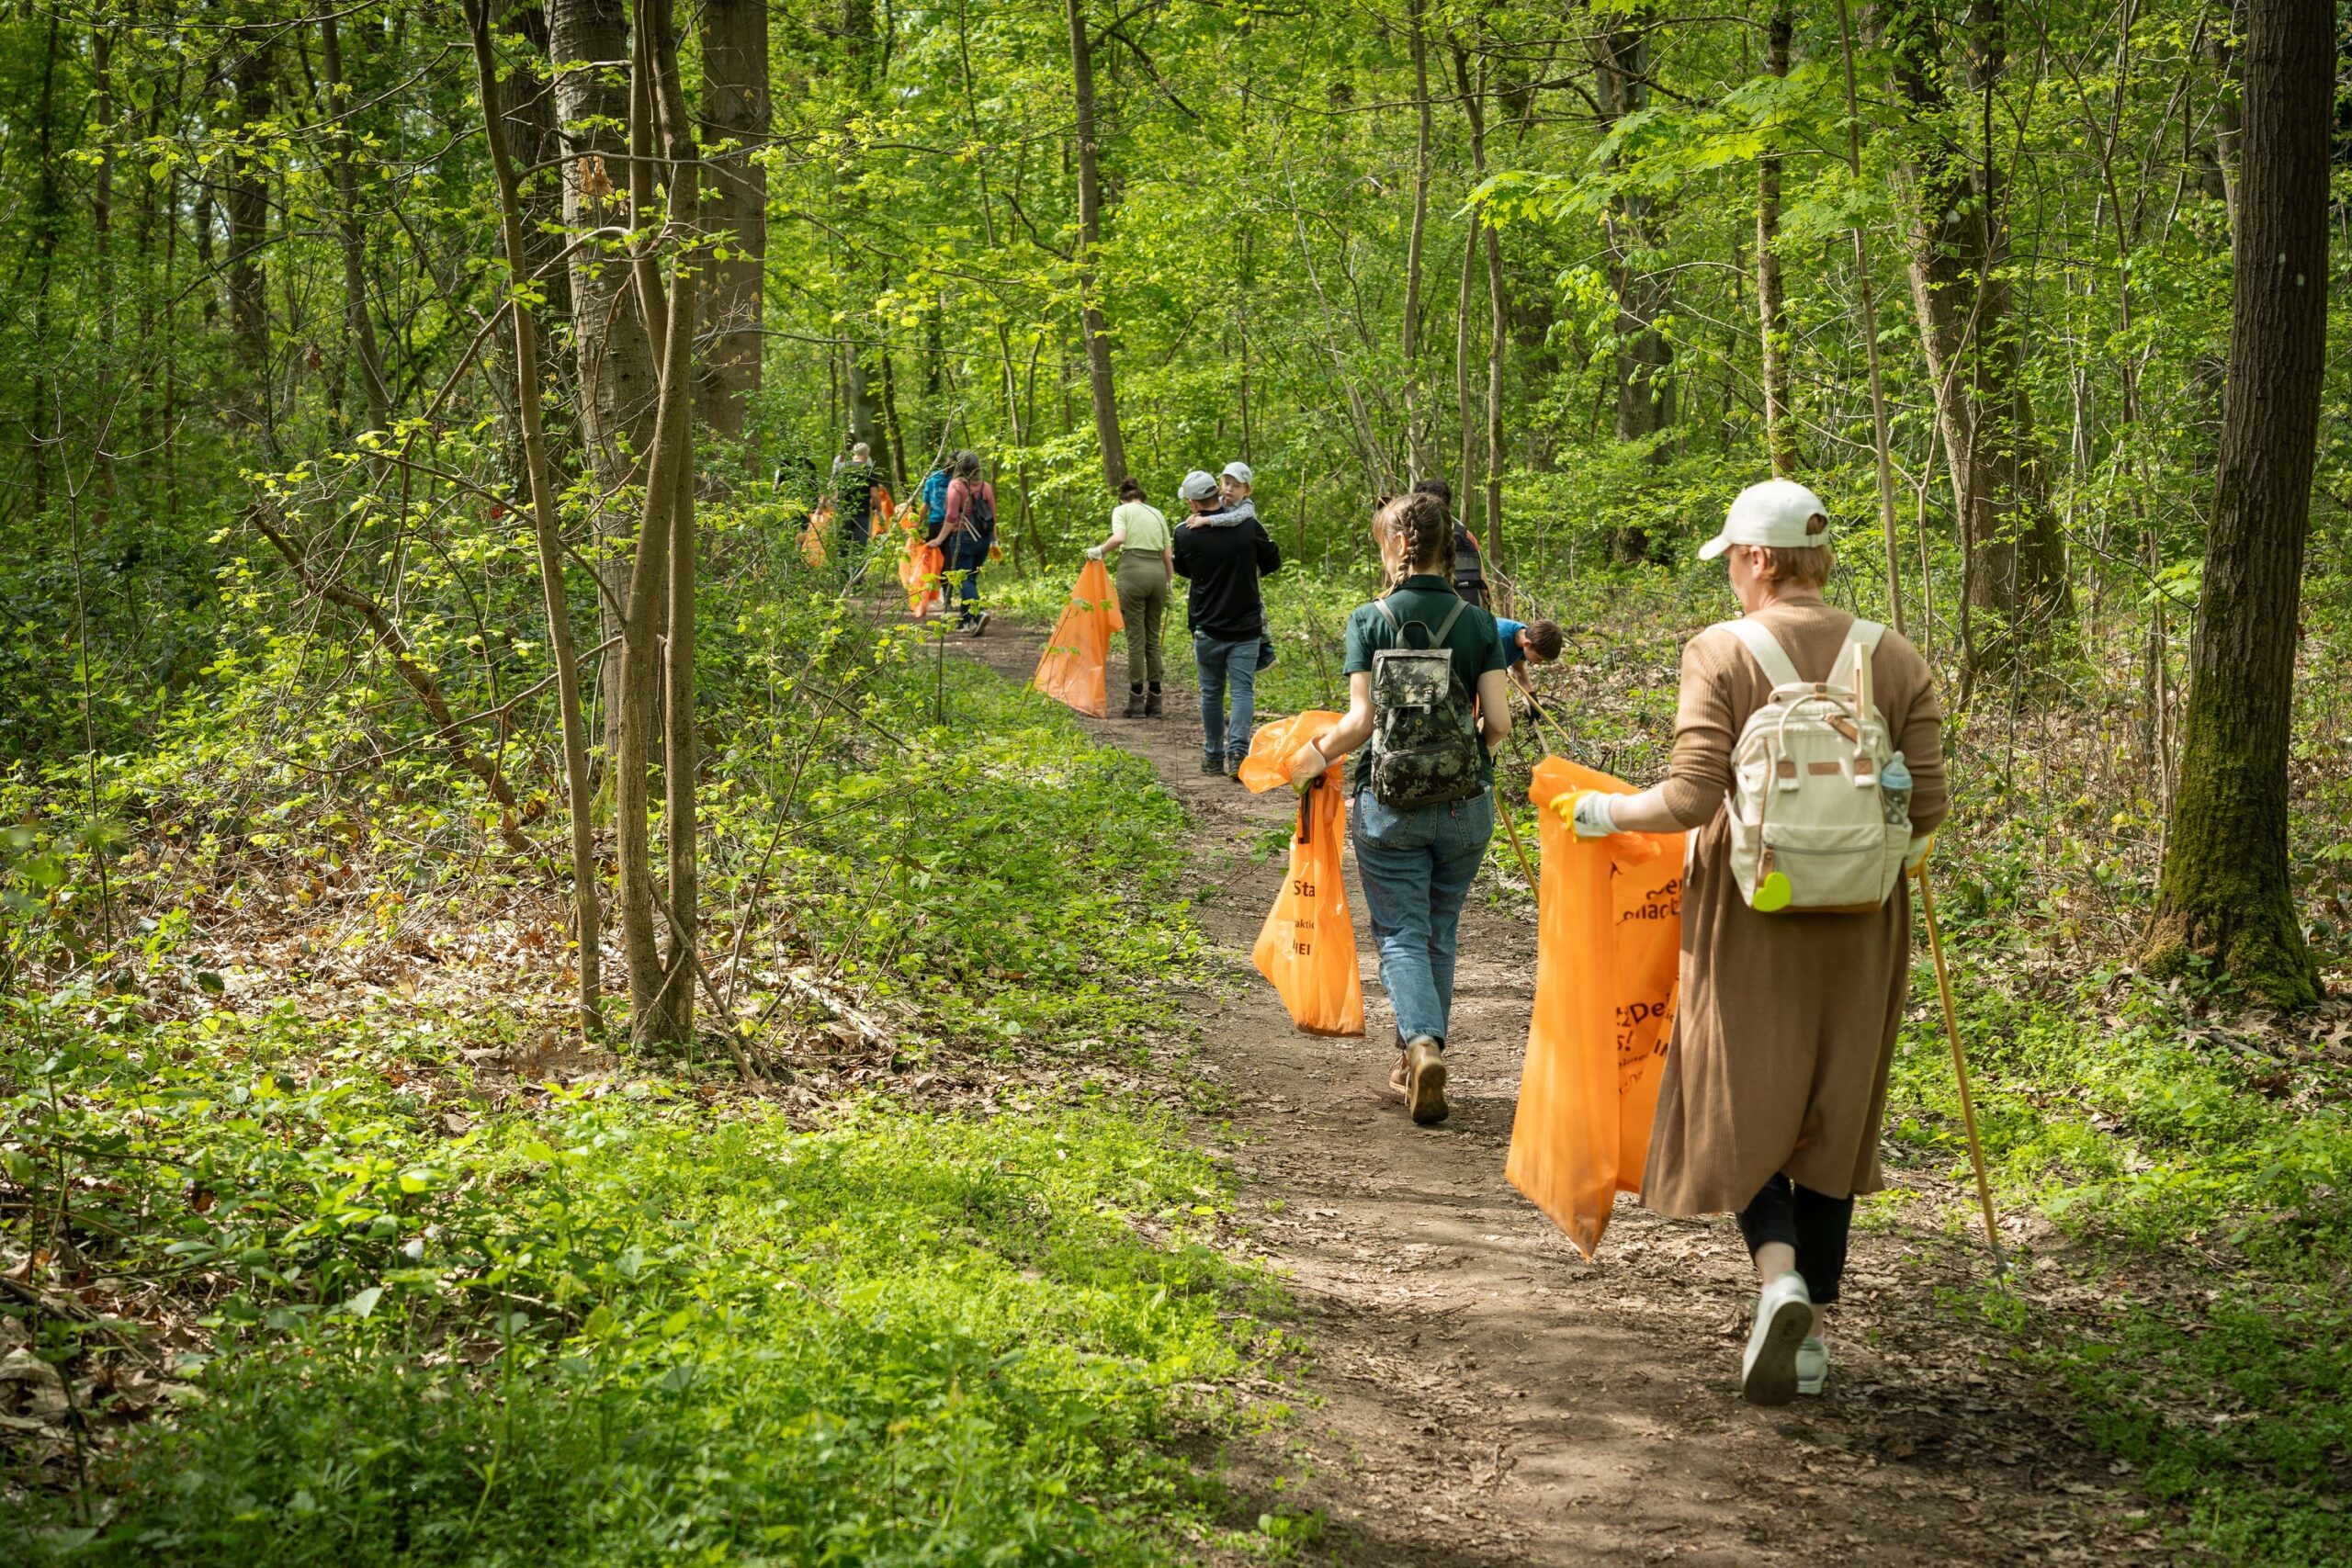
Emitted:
pixel 2225 894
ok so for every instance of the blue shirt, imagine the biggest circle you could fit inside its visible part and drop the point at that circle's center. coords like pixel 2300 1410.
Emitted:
pixel 1509 631
pixel 934 499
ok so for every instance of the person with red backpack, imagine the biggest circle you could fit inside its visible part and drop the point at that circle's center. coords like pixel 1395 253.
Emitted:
pixel 1808 756
pixel 965 531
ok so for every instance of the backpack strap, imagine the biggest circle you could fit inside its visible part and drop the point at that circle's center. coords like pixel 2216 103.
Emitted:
pixel 1396 627
pixel 1765 649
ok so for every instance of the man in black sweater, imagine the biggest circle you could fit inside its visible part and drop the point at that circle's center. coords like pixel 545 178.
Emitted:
pixel 1223 554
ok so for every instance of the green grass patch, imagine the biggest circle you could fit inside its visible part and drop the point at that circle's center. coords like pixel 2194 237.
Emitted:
pixel 2207 1191
pixel 632 1329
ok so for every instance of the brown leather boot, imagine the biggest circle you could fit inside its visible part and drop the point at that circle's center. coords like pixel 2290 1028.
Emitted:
pixel 1135 702
pixel 1425 1082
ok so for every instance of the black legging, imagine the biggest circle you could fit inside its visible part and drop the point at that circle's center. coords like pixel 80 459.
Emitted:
pixel 1797 1216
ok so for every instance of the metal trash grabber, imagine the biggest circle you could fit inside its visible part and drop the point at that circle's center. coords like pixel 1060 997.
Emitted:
pixel 1960 1067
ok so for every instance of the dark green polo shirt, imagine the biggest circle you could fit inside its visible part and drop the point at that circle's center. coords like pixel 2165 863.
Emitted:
pixel 1427 598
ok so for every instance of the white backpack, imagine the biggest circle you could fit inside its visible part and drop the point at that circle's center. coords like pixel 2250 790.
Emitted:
pixel 1811 831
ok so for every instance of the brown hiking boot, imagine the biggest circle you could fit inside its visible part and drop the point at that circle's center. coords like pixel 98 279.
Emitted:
pixel 1152 705
pixel 1425 1082
pixel 1397 1075
pixel 1134 705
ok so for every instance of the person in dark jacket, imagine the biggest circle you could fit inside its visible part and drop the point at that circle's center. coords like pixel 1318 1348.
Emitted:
pixel 1223 554
pixel 1469 566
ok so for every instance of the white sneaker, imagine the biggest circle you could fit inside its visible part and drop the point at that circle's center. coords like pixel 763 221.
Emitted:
pixel 1768 1372
pixel 1813 1364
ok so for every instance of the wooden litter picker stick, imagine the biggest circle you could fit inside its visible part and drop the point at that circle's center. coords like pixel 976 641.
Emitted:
pixel 1959 1065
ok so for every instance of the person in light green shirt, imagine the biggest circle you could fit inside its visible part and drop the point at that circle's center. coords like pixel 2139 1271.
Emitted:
pixel 1144 547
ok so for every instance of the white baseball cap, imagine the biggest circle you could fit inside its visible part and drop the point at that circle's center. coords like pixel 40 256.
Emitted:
pixel 1240 474
pixel 1199 485
pixel 1774 513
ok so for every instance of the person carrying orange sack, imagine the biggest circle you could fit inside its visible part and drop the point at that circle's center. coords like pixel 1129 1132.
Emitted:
pixel 1307 946
pixel 1073 668
pixel 1610 939
pixel 919 571
pixel 1775 1082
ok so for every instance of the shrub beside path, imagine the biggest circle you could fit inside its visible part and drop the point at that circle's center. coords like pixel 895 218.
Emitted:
pixel 1474 1393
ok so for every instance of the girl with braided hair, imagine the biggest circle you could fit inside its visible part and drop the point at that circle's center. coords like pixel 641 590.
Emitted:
pixel 1418 860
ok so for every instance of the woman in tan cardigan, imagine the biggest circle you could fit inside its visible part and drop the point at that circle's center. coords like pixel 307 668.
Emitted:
pixel 1775 1078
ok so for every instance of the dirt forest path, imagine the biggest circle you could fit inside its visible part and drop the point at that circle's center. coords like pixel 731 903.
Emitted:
pixel 1477 1395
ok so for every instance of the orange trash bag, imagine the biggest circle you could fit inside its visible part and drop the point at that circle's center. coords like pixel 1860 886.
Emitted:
pixel 812 537
pixel 1072 669
pixel 1307 946
pixel 1607 961
pixel 919 571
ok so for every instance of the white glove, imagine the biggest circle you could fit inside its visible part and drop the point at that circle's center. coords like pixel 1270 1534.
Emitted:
pixel 1592 816
pixel 1916 855
pixel 1307 764
pixel 1095 553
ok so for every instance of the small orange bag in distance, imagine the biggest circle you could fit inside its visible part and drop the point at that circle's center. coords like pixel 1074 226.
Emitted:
pixel 1307 946
pixel 812 537
pixel 1072 668
pixel 1604 1010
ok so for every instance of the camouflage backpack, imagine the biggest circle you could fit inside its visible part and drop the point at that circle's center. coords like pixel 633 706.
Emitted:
pixel 1424 732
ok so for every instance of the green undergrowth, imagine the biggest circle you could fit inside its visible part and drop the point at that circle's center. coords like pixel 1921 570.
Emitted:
pixel 379 1304
pixel 622 1325
pixel 2193 1297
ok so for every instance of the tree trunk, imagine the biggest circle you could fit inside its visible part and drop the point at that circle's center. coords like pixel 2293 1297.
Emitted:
pixel 1417 455
pixel 862 426
pixel 350 225
pixel 735 109
pixel 1091 324
pixel 1474 105
pixel 248 205
pixel 546 525
pixel 661 991
pixel 1645 393
pixel 1466 476
pixel 1780 434
pixel 588 46
pixel 1960 290
pixel 2225 893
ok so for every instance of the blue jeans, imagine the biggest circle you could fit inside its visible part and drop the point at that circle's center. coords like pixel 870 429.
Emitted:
pixel 1417 866
pixel 966 553
pixel 1223 666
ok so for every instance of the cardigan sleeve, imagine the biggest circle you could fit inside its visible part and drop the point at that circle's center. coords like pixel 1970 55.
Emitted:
pixel 1698 776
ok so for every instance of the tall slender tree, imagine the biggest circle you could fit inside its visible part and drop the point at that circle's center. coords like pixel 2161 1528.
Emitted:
pixel 2225 893
pixel 735 115
pixel 1968 327
pixel 1417 456
pixel 1093 326
pixel 613 356
pixel 547 527
pixel 1771 318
